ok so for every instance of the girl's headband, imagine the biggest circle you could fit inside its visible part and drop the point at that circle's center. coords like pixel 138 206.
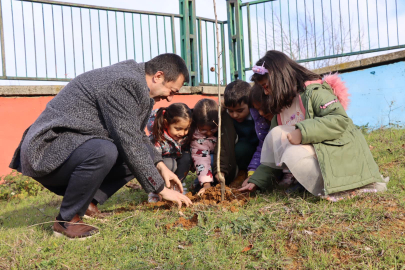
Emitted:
pixel 260 69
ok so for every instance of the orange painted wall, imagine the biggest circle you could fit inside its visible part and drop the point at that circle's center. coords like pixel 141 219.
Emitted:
pixel 16 114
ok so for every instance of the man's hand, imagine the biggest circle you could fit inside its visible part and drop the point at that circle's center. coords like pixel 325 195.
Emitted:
pixel 176 197
pixel 295 137
pixel 249 187
pixel 168 176
pixel 204 188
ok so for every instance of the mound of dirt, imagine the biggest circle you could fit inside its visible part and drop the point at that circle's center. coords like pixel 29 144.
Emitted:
pixel 185 223
pixel 212 196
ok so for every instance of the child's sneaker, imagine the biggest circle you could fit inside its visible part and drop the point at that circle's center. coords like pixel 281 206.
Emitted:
pixel 153 198
pixel 176 188
pixel 296 187
pixel 287 179
pixel 348 194
pixel 184 189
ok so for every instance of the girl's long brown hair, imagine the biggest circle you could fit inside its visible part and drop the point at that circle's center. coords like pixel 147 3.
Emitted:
pixel 171 114
pixel 286 78
pixel 205 113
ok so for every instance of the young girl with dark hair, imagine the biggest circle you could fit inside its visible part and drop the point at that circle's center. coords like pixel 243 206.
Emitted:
pixel 311 135
pixel 169 132
pixel 205 119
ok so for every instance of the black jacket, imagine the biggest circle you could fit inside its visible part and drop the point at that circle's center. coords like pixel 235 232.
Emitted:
pixel 228 159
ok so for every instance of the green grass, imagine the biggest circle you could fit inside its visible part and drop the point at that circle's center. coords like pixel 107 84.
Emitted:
pixel 287 232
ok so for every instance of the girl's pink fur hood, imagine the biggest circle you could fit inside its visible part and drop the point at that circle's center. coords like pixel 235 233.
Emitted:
pixel 338 86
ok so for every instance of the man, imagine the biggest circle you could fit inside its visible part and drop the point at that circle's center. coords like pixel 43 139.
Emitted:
pixel 90 139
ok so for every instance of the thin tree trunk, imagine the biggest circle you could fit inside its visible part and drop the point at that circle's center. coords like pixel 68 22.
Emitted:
pixel 218 72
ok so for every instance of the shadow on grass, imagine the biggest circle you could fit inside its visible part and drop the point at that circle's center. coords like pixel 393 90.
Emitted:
pixel 19 213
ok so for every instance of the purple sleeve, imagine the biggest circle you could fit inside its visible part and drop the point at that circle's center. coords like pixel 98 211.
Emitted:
pixel 262 128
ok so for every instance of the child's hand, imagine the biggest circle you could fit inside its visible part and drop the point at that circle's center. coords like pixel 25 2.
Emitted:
pixel 295 137
pixel 245 182
pixel 204 188
pixel 249 187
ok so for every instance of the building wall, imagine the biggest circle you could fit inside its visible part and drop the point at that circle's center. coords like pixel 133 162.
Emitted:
pixel 372 91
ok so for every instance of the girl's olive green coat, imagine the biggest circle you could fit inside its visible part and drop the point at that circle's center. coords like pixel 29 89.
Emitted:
pixel 343 154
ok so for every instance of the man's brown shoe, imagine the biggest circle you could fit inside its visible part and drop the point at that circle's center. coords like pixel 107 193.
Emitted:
pixel 93 212
pixel 74 229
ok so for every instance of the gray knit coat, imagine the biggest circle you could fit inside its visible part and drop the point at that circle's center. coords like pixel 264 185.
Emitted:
pixel 110 103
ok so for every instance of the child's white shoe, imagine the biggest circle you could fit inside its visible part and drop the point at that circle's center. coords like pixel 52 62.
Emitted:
pixel 176 188
pixel 153 198
pixel 184 189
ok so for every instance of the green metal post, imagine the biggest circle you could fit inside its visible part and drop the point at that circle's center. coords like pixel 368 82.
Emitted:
pixel 188 38
pixel 235 34
pixel 200 51
pixel 3 51
pixel 223 54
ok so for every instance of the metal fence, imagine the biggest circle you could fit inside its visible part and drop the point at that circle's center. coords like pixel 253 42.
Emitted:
pixel 47 40
pixel 55 41
pixel 323 32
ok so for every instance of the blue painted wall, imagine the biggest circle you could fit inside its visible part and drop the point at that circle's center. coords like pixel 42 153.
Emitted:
pixel 372 91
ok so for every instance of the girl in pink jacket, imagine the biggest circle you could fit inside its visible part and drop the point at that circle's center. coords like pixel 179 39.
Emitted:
pixel 205 118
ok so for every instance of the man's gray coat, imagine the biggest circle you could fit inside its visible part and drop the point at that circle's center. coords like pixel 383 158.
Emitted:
pixel 110 103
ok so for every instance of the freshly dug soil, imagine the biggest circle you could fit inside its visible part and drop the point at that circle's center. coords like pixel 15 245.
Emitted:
pixel 185 223
pixel 211 196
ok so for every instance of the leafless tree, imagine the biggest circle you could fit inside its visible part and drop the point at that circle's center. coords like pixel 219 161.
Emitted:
pixel 312 41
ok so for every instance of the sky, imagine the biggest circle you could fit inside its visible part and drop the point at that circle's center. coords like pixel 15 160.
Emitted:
pixel 91 39
pixel 25 56
pixel 204 8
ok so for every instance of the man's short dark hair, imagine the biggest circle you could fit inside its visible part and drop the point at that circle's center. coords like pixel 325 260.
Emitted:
pixel 236 92
pixel 170 64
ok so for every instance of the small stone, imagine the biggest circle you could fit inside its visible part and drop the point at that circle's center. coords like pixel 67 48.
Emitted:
pixel 308 232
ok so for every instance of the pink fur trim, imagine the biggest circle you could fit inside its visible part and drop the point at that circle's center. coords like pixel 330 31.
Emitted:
pixel 339 88
pixel 311 82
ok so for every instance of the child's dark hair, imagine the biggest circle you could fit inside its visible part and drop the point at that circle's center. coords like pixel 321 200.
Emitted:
pixel 206 113
pixel 171 114
pixel 256 95
pixel 285 79
pixel 236 92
